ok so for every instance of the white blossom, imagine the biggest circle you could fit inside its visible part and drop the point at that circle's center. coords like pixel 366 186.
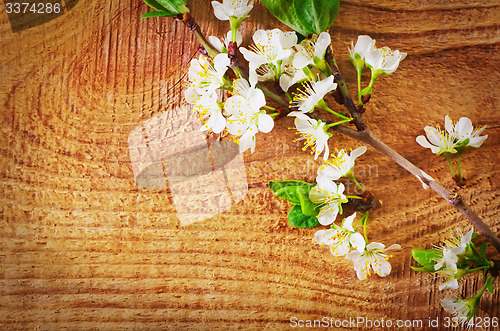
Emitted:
pixel 270 47
pixel 437 140
pixel 358 53
pixel 207 106
pixel 313 134
pixel 314 92
pixel 309 49
pixel 452 248
pixel 340 166
pixel 373 257
pixel 383 60
pixel 232 8
pixel 205 76
pixel 341 239
pixel 462 309
pixel 331 197
pixel 246 118
pixel 464 130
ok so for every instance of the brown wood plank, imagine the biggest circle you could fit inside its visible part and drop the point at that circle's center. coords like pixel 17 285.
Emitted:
pixel 82 246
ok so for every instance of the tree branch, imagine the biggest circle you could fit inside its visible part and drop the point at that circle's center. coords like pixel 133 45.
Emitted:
pixel 365 134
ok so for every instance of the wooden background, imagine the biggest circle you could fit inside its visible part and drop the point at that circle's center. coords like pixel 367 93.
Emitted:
pixel 83 247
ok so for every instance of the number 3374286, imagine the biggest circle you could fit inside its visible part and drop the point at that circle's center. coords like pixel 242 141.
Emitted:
pixel 32 8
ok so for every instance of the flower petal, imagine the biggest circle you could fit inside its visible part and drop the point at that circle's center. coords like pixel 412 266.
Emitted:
pixel 265 123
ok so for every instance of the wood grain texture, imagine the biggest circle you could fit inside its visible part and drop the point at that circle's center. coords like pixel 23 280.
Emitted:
pixel 83 247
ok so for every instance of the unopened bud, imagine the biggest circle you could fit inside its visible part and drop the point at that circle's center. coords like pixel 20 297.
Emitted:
pixel 365 98
pixel 202 50
pixel 231 49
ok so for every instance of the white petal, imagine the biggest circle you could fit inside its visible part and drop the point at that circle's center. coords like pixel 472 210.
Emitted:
pixel 448 124
pixel 382 267
pixel 358 242
pixel 218 122
pixel 324 40
pixel 341 249
pixel 324 86
pixel 466 239
pixel 451 284
pixel 327 217
pixel 358 152
pixel 424 143
pixel 265 123
pixel 219 11
pixel 375 245
pixel 477 141
pixel 324 237
pixel 215 42
pixel 463 128
pixel 393 246
pixel 221 62
pixel 300 61
pixel 348 222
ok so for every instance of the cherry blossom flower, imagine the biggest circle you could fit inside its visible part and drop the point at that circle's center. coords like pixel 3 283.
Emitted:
pixel 437 140
pixel 340 166
pixel 452 248
pixel 292 75
pixel 310 49
pixel 373 257
pixel 357 54
pixel 206 77
pixel 341 239
pixel 246 118
pixel 331 197
pixel 270 47
pixel 464 130
pixel 383 60
pixel 313 132
pixel 207 106
pixel 232 8
pixel 313 94
pixel 463 309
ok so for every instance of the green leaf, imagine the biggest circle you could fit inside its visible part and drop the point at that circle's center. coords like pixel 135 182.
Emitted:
pixel 157 14
pixel 290 193
pixel 171 7
pixel 296 192
pixel 482 250
pixel 489 284
pixel 305 16
pixel 178 6
pixel 275 186
pixel 308 207
pixel 426 257
pixel 297 219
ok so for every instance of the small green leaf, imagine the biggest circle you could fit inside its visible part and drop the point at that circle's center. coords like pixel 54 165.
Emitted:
pixel 482 250
pixel 157 14
pixel 170 7
pixel 305 16
pixel 426 257
pixel 297 219
pixel 290 193
pixel 178 6
pixel 308 207
pixel 275 186
pixel 489 284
